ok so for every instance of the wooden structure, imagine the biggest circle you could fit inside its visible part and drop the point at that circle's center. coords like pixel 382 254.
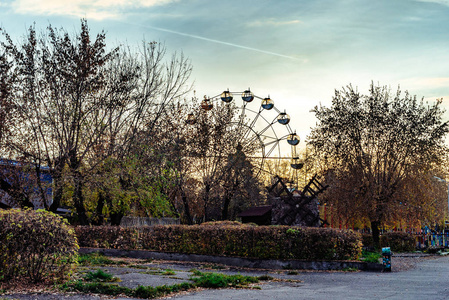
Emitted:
pixel 260 215
pixel 291 207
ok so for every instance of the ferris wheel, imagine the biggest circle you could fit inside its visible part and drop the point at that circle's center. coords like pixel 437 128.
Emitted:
pixel 258 129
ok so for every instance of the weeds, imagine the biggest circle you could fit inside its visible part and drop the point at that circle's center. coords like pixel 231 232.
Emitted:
pixel 168 272
pixel 195 272
pixel 349 269
pixel 265 277
pixel 97 288
pixel 292 273
pixel 214 267
pixel 100 276
pixel 205 280
pixel 218 280
pixel 372 257
pixel 98 259
pixel 138 267
pixel 149 292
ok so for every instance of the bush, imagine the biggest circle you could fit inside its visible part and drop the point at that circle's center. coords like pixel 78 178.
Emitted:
pixel 36 246
pixel 367 240
pixel 265 242
pixel 398 241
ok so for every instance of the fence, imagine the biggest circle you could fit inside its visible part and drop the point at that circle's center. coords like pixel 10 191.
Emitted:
pixel 139 222
pixel 432 239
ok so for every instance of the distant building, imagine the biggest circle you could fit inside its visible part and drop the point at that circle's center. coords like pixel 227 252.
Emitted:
pixel 19 179
pixel 260 215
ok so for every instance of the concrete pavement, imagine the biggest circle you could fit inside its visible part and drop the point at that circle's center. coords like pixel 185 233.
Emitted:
pixel 428 280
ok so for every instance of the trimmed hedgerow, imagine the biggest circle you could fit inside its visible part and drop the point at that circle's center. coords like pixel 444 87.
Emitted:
pixel 367 240
pixel 398 241
pixel 265 242
pixel 36 246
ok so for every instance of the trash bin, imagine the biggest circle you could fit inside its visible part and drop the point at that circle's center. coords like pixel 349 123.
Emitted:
pixel 386 259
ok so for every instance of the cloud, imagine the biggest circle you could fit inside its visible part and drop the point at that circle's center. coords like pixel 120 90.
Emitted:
pixel 442 2
pixel 426 82
pixel 273 22
pixel 91 9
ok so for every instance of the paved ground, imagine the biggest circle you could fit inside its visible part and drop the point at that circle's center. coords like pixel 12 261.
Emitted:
pixel 428 280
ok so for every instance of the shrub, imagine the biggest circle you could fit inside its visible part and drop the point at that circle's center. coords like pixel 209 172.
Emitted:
pixel 398 241
pixel 36 246
pixel 264 242
pixel 367 240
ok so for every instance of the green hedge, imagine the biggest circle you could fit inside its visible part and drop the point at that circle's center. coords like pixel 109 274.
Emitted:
pixel 36 246
pixel 266 242
pixel 398 241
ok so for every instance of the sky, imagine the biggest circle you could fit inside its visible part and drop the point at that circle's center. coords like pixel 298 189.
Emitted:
pixel 296 51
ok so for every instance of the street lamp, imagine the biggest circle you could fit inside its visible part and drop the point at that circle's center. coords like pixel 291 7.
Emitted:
pixel 442 180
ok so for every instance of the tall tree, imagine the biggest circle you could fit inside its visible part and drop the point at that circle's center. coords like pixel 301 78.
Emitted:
pixel 219 153
pixel 373 144
pixel 6 84
pixel 79 104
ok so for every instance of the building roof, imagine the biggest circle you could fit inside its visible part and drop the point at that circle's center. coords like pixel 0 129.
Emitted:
pixel 256 211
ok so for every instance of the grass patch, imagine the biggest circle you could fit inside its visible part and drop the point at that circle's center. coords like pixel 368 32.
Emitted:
pixel 149 292
pixel 265 277
pixel 205 280
pixel 139 267
pixel 100 276
pixel 214 267
pixel 152 272
pixel 145 292
pixel 372 257
pixel 169 272
pixel 97 288
pixel 218 280
pixel 195 272
pixel 98 259
pixel 349 269
pixel 292 273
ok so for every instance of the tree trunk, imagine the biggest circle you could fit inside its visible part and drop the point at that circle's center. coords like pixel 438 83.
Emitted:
pixel 224 212
pixel 98 219
pixel 376 234
pixel 57 193
pixel 186 207
pixel 78 199
pixel 206 202
pixel 114 216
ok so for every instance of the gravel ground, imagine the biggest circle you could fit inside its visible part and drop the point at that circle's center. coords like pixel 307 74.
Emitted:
pixel 406 261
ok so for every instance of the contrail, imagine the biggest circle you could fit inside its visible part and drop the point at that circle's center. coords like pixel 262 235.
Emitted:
pixel 216 41
pixel 223 43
